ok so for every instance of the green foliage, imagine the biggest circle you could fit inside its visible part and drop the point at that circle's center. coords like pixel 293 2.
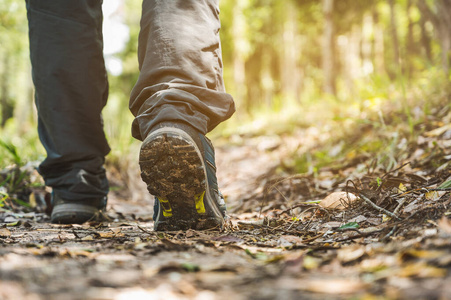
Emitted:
pixel 378 127
pixel 12 150
pixel 349 225
pixel 378 181
pixel 14 182
pixel 445 185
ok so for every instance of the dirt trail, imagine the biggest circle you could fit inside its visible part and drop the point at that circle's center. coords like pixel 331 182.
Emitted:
pixel 300 253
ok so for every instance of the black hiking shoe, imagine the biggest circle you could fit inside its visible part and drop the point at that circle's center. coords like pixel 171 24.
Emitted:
pixel 178 165
pixel 77 212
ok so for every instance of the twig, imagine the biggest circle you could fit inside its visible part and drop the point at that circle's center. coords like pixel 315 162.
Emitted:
pixel 291 225
pixel 266 192
pixel 423 209
pixel 390 233
pixel 348 229
pixel 424 189
pixel 313 238
pixel 378 207
pixel 311 219
pixel 274 186
pixel 296 206
pixel 358 235
pixel 394 170
pixel 75 234
pixel 403 200
pixel 300 216
pixel 145 230
pixel 284 198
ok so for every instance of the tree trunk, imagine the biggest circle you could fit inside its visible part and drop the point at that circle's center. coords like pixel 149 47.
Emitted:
pixel 290 50
pixel 425 39
pixel 239 70
pixel 444 12
pixel 378 47
pixel 367 65
pixel 410 43
pixel 6 107
pixel 328 48
pixel 441 19
pixel 394 33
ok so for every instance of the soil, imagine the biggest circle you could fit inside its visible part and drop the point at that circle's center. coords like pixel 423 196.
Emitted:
pixel 347 231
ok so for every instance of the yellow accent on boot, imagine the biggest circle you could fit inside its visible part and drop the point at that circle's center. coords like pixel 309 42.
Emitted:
pixel 199 199
pixel 166 206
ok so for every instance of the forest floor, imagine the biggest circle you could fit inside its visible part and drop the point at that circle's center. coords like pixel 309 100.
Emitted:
pixel 349 230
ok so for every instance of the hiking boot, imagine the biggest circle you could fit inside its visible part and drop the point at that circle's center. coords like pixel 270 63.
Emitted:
pixel 178 165
pixel 77 211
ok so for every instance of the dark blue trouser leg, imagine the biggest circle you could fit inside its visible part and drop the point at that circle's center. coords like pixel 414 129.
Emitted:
pixel 179 55
pixel 71 90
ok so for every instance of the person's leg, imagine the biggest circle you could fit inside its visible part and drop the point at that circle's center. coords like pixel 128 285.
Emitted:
pixel 178 98
pixel 71 89
pixel 179 55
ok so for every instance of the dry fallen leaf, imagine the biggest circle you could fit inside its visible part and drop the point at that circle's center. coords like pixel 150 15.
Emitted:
pixel 4 232
pixel 76 252
pixel 337 199
pixel 227 238
pixel 116 230
pixel 350 254
pixel 424 254
pixel 190 233
pixel 445 224
pixel 438 131
pixel 434 195
pixel 291 239
pixel 294 262
pixel 311 263
pixel 32 200
pixel 281 242
pixel 413 205
pixel 87 238
pixel 107 235
pixel 325 286
pixel 402 188
pixel 421 270
pixel 332 225
pixel 358 219
pixel 376 264
pixel 385 218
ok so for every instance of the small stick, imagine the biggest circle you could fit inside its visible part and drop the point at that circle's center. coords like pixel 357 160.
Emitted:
pixel 390 233
pixel 358 235
pixel 145 230
pixel 403 200
pixel 296 206
pixel 378 207
pixel 300 215
pixel 394 170
pixel 349 229
pixel 424 189
pixel 75 234
pixel 313 238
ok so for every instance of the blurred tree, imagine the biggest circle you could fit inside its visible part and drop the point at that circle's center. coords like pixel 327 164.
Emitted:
pixel 394 34
pixel 5 101
pixel 14 65
pixel 328 48
pixel 438 12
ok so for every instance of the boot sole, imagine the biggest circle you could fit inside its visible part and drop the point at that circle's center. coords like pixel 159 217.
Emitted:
pixel 74 213
pixel 173 169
